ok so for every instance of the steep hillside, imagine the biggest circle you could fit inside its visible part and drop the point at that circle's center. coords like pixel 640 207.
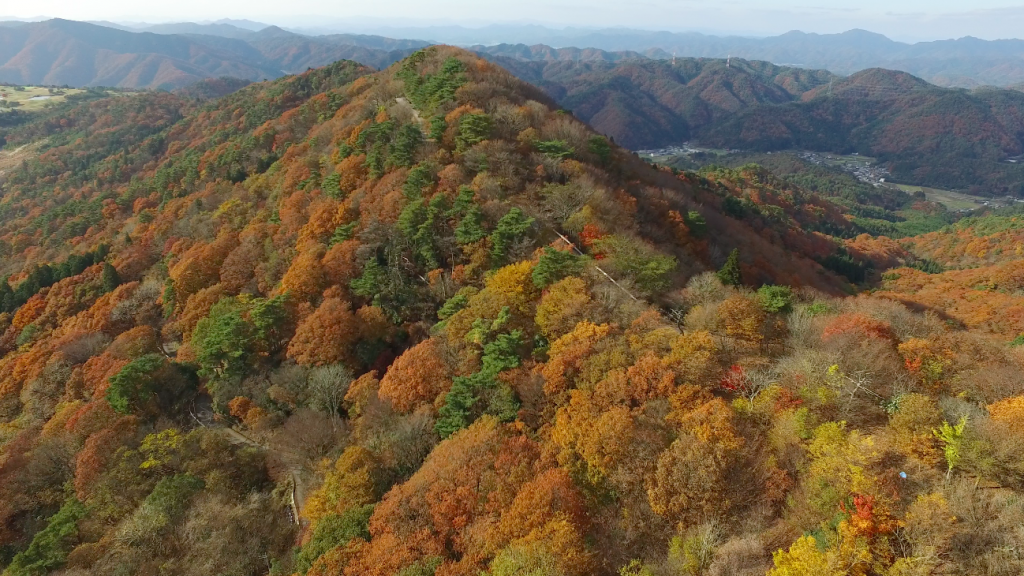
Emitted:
pixel 212 88
pixel 862 198
pixel 974 242
pixel 421 322
pixel 648 103
pixel 986 299
pixel 922 133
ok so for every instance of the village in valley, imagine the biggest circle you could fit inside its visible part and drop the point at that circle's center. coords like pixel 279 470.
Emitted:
pixel 863 168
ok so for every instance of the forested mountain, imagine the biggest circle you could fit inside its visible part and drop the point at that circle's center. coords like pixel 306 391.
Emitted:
pixel 924 134
pixel 63 52
pixel 212 88
pixel 650 103
pixel 984 260
pixel 975 241
pixel 59 52
pixel 423 322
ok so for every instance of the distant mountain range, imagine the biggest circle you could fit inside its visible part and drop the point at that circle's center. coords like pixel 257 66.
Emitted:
pixel 59 52
pixel 965 62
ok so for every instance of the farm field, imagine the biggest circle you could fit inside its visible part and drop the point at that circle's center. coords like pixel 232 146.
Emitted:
pixel 955 201
pixel 32 98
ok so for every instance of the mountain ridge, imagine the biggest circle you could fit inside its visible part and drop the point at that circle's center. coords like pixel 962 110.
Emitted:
pixel 462 333
pixel 64 52
pixel 60 52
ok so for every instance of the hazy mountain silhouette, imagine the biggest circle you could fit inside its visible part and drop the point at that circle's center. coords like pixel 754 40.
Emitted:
pixel 59 52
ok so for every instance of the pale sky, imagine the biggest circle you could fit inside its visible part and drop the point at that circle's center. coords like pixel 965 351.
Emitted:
pixel 899 19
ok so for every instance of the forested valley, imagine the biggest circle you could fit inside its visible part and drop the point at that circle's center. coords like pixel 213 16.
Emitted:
pixel 423 321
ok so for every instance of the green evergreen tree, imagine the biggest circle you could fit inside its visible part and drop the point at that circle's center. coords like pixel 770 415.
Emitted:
pixel 469 394
pixel 168 298
pixel 429 231
pixel 555 265
pixel 437 127
pixel 171 497
pixel 371 281
pixel 473 128
pixel 412 216
pixel 403 149
pixel 456 303
pixel 133 383
pixel 458 404
pixel 696 223
pixel 420 177
pixel 510 228
pixel 775 299
pixel 470 228
pixel 599 146
pixel 463 202
pixel 110 278
pixel 50 546
pixel 730 274
pixel 419 222
pixel 558 149
pixel 6 297
pixel 223 342
pixel 332 531
pixel 332 185
pixel 343 232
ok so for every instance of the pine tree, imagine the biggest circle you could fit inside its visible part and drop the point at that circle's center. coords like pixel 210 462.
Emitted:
pixel 510 228
pixel 730 274
pixel 110 278
pixel 6 297
pixel 470 228
pixel 555 265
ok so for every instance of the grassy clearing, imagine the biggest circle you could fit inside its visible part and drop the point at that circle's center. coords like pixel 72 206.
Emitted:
pixel 10 159
pixel 836 159
pixel 32 98
pixel 952 200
